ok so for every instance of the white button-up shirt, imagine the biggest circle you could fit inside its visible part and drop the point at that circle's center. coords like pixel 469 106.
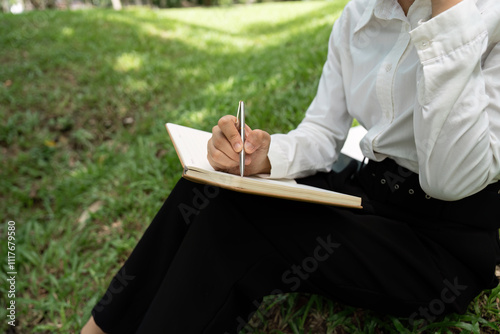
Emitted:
pixel 427 90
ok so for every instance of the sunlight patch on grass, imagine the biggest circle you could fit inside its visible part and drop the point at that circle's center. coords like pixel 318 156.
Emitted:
pixel 198 116
pixel 226 85
pixel 127 62
pixel 153 30
pixel 85 95
pixel 133 85
pixel 244 28
pixel 67 31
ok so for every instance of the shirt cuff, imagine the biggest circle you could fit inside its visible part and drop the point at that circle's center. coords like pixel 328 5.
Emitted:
pixel 277 158
pixel 448 31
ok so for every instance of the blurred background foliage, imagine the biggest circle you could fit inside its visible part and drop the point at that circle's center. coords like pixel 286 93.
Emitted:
pixel 18 6
pixel 85 161
pixel 85 158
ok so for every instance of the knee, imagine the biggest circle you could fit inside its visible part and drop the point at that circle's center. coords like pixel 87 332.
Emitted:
pixel 196 199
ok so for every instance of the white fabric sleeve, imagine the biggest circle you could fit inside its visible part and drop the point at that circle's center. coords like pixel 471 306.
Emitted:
pixel 457 118
pixel 315 144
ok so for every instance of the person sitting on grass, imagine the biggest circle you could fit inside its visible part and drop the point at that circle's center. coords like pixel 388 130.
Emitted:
pixel 423 77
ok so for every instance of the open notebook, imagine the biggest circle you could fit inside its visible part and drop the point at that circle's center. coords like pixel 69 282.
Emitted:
pixel 191 147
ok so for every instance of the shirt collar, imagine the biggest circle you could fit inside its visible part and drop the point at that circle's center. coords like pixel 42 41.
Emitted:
pixel 367 15
pixel 386 10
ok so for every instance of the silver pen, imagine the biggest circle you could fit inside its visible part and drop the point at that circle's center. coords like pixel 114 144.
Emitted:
pixel 240 125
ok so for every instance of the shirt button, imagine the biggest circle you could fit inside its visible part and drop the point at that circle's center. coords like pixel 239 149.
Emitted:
pixel 388 67
pixel 424 45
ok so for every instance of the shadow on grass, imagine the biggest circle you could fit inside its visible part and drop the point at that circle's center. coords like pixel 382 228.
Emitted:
pixel 75 80
pixel 85 96
pixel 82 64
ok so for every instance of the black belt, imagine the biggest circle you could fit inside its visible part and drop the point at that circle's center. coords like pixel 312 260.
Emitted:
pixel 388 183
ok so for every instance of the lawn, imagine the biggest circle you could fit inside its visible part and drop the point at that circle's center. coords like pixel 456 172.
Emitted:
pixel 86 161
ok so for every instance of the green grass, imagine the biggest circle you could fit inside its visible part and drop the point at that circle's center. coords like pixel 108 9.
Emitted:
pixel 83 101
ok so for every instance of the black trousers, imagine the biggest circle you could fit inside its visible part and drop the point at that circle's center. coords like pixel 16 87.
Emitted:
pixel 210 255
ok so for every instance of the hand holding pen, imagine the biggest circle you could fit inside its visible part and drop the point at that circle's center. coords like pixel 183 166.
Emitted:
pixel 227 144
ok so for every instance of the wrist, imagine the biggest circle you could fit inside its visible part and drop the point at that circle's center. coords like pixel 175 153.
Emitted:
pixel 265 168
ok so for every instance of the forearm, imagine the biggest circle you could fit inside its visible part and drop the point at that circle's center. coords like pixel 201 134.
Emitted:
pixel 308 149
pixel 314 145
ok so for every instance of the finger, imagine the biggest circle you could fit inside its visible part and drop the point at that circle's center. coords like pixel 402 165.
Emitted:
pixel 221 143
pixel 227 125
pixel 256 139
pixel 218 159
